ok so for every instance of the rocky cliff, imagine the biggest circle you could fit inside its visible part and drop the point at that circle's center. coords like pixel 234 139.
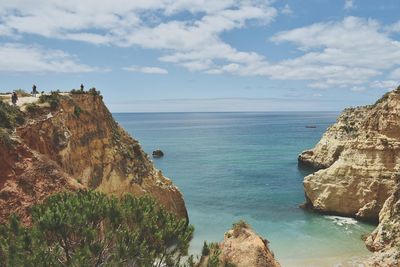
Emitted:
pixel 359 162
pixel 241 247
pixel 71 141
pixel 359 157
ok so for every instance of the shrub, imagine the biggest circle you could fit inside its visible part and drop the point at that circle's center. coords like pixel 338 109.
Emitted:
pixel 238 227
pixel 53 99
pixel 213 260
pixel 77 111
pixel 205 250
pixel 77 92
pixel 5 138
pixel 91 229
pixel 10 116
pixel 32 108
pixel 94 92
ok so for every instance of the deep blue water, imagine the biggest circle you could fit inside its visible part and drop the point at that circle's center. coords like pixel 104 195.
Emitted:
pixel 244 165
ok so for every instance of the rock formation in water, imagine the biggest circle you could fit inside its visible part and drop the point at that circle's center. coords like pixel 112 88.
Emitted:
pixel 359 162
pixel 359 158
pixel 72 143
pixel 241 247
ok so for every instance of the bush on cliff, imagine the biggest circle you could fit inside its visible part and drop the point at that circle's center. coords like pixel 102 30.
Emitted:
pixel 10 116
pixel 53 99
pixel 92 229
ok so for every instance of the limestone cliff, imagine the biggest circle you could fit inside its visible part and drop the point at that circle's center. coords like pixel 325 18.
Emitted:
pixel 359 157
pixel 76 139
pixel 241 247
pixel 385 239
pixel 359 162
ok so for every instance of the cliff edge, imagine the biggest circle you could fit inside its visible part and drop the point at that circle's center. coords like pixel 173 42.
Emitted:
pixel 359 162
pixel 71 141
pixel 358 158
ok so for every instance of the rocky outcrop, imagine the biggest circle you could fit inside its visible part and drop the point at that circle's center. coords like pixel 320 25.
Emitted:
pixel 358 158
pixel 359 176
pixel 79 137
pixel 26 178
pixel 241 247
pixel 385 239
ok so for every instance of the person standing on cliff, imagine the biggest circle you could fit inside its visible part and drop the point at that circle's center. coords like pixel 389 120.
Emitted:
pixel 34 91
pixel 14 98
pixel 82 87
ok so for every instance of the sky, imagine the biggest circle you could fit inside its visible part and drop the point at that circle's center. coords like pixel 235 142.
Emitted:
pixel 205 55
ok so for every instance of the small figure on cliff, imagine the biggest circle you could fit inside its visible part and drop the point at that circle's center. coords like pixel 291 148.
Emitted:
pixel 34 91
pixel 14 98
pixel 82 87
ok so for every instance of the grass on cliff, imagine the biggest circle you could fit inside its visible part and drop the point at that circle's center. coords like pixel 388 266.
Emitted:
pixel 92 91
pixel 89 228
pixel 53 99
pixel 10 116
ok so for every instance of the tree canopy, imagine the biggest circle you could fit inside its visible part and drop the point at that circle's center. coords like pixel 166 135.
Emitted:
pixel 89 228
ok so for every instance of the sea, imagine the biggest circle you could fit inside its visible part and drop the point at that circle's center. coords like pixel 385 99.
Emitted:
pixel 232 166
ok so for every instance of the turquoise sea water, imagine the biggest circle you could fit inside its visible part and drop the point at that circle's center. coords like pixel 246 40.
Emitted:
pixel 231 166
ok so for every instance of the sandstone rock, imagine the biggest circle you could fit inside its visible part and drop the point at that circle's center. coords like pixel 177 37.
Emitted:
pixel 90 147
pixel 358 158
pixel 242 247
pixel 359 162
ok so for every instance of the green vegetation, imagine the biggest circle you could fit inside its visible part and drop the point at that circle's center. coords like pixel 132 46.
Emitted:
pixel 77 111
pixel 32 108
pixel 205 250
pixel 213 252
pixel 5 138
pixel 91 229
pixel 238 227
pixel 91 91
pixel 10 116
pixel 348 129
pixel 53 99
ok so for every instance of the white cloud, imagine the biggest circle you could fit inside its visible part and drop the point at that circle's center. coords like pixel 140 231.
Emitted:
pixel 287 10
pixel 146 70
pixel 358 88
pixel 388 84
pixel 348 4
pixel 28 58
pixel 347 53
pixel 394 28
pixel 193 42
pixel 395 74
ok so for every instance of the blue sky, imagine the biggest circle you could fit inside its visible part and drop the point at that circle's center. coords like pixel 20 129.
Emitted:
pixel 205 55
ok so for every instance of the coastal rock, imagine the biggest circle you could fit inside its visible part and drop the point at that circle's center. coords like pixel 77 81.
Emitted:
pixel 385 239
pixel 358 158
pixel 83 141
pixel 242 247
pixel 27 178
pixel 158 153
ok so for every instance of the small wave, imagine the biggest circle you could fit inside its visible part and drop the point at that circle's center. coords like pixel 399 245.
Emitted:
pixel 342 221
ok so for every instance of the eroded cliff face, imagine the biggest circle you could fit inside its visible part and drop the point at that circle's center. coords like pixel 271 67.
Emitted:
pixel 359 157
pixel 242 247
pixel 26 178
pixel 359 176
pixel 81 140
pixel 385 239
